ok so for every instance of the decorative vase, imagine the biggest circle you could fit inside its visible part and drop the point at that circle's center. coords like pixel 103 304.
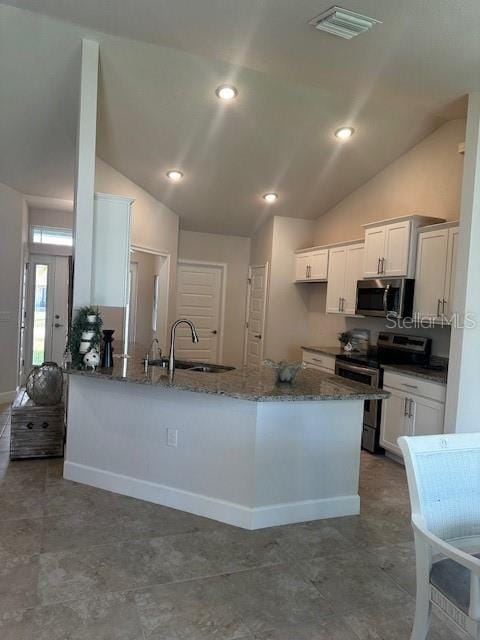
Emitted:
pixel 92 318
pixel 286 371
pixel 92 359
pixel 45 384
pixel 107 357
pixel 88 335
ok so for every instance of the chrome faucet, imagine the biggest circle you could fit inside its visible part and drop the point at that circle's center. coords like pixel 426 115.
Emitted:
pixel 195 338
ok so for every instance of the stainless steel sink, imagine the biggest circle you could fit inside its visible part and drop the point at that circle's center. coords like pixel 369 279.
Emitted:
pixel 189 365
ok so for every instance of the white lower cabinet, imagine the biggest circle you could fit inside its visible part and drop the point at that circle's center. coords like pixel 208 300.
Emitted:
pixel 415 407
pixel 314 360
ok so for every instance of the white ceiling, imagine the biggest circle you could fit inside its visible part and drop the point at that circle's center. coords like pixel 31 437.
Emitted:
pixel 157 108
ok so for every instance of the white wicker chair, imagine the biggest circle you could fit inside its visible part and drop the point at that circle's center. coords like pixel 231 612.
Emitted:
pixel 444 482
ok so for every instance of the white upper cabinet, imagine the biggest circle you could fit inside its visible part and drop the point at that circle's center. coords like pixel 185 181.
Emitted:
pixel 353 273
pixel 390 246
pixel 397 245
pixel 311 265
pixel 386 250
pixel 435 274
pixel 337 264
pixel 374 250
pixel 344 269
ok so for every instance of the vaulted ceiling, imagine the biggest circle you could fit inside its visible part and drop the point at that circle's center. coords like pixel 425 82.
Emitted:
pixel 161 61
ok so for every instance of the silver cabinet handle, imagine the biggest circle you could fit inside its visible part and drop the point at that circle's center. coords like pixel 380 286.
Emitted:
pixel 378 266
pixel 444 302
pixel 343 304
pixel 439 302
pixel 405 413
pixel 317 360
pixel 339 304
pixel 410 409
pixel 382 267
pixel 410 386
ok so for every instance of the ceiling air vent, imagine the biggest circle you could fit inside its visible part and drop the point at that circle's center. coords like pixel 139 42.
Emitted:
pixel 343 23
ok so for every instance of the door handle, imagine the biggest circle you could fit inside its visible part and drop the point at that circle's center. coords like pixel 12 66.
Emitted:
pixel 258 335
pixel 56 325
pixel 410 409
pixel 214 332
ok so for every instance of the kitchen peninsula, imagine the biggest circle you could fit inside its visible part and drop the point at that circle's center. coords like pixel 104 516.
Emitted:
pixel 234 446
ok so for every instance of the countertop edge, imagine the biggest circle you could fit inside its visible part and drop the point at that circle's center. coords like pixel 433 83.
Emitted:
pixel 379 395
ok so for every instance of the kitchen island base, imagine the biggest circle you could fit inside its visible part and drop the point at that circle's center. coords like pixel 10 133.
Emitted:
pixel 246 463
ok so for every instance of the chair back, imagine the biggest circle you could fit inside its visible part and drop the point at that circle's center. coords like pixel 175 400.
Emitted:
pixel 443 473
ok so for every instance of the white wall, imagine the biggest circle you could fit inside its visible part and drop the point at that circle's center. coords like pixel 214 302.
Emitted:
pixel 287 303
pixel 235 252
pixel 50 218
pixel 426 179
pixel 13 222
pixel 154 226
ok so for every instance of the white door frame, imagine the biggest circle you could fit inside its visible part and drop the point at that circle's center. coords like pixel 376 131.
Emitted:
pixel 167 267
pixel 223 292
pixel 247 308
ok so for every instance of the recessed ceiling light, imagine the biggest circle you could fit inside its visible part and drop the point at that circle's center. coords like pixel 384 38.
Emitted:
pixel 270 197
pixel 226 92
pixel 344 133
pixel 174 175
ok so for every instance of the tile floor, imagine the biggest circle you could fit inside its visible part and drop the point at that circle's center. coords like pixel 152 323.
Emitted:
pixel 78 563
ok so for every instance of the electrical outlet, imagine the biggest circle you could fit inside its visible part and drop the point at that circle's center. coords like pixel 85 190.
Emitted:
pixel 172 437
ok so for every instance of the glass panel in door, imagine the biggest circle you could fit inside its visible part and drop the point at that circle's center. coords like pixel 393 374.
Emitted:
pixel 39 313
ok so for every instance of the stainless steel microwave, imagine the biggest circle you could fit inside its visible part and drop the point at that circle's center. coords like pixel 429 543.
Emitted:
pixel 386 297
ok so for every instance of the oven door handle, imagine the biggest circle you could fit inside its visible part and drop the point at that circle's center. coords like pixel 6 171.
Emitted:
pixel 374 373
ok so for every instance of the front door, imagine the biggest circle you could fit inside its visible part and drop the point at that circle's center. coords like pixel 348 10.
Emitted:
pixel 256 315
pixel 47 310
pixel 199 299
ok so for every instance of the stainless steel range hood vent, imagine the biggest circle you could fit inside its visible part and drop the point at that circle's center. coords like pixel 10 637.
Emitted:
pixel 343 23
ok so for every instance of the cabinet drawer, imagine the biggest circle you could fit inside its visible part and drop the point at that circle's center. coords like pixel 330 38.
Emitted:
pixel 319 360
pixel 415 386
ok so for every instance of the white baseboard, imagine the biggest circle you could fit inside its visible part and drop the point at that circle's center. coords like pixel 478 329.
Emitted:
pixel 221 510
pixel 7 396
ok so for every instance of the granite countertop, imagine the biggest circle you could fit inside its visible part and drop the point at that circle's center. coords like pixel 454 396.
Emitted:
pixel 326 351
pixel 244 383
pixel 417 371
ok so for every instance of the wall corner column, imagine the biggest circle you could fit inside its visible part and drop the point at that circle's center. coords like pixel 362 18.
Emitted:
pixel 85 174
pixel 463 390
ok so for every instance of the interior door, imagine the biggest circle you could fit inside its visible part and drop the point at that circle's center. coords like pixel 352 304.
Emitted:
pixel 374 251
pixel 47 309
pixel 353 273
pixel 394 420
pixel 199 299
pixel 397 246
pixel 336 279
pixel 257 299
pixel 430 273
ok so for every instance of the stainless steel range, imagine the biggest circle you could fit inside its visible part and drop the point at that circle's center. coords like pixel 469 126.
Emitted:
pixel 366 367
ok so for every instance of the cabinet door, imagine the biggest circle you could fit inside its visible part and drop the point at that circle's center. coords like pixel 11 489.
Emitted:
pixel 374 251
pixel 425 416
pixel 397 247
pixel 430 273
pixel 394 420
pixel 453 236
pixel 353 273
pixel 301 266
pixel 336 279
pixel 319 264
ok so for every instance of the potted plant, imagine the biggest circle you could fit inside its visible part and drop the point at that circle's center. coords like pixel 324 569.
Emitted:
pixel 84 334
